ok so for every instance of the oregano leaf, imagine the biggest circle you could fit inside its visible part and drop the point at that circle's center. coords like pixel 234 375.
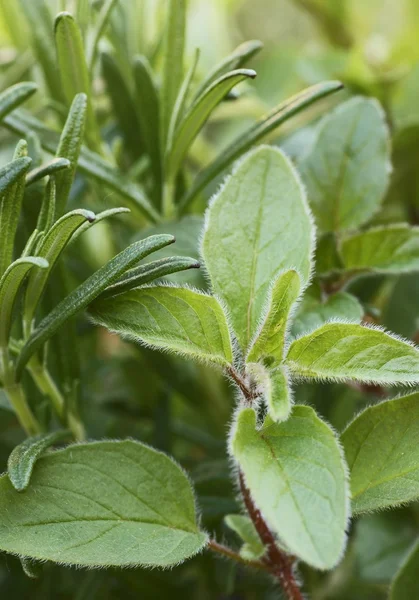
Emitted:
pixel 274 386
pixel 252 548
pixel 340 305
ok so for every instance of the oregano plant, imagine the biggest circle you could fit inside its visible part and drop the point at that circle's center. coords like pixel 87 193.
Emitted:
pixel 209 354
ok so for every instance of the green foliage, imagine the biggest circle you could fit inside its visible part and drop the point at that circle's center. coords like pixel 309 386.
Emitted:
pixel 405 584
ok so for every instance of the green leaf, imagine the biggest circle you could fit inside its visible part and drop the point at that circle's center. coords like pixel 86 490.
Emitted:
pixel 405 585
pixel 170 318
pixel 257 226
pixel 296 475
pixel 347 168
pixel 85 293
pixel 73 70
pixel 9 287
pixel 237 59
pixel 50 168
pixel 102 21
pixel 382 454
pixel 268 344
pixel 69 147
pixel 125 504
pixel 12 187
pixel 392 249
pixel 252 548
pixel 146 273
pixel 105 214
pixel 174 45
pixel 198 114
pixel 345 351
pixel 405 293
pixel 46 216
pixel 89 163
pixel 15 95
pixel 22 459
pixel 51 248
pixel 147 103
pixel 337 306
pixel 260 129
pixel 273 385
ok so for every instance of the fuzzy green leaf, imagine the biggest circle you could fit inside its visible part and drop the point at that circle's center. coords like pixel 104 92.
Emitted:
pixel 344 351
pixel 73 70
pixel 338 306
pixel 174 45
pixel 383 455
pixel 258 225
pixel 296 475
pixel 22 459
pixel 85 293
pixel 252 548
pixel 15 95
pixel 123 502
pixel 405 585
pixel 198 114
pixel 260 129
pixel 69 147
pixel 274 387
pixel 268 344
pixel 347 169
pixel 171 318
pixel 105 214
pixel 50 168
pixel 12 187
pixel 393 249
pixel 144 274
pixel 9 287
pixel 51 248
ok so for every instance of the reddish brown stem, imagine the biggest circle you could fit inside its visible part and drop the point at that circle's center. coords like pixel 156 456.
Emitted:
pixel 241 384
pixel 280 565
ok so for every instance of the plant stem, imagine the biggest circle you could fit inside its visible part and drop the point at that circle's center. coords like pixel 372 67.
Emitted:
pixel 230 553
pixel 168 199
pixel 280 565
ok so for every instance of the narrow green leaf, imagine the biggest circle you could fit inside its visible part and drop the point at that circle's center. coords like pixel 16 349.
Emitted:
pixel 125 504
pixel 105 214
pixel 85 293
pixel 174 45
pixel 248 240
pixel 338 306
pixel 46 215
pixel 347 169
pixel 15 95
pixel 69 147
pixel 392 249
pixel 383 455
pixel 51 248
pixel 50 168
pixel 296 475
pixel 73 70
pixel 274 387
pixel 198 114
pixel 102 21
pixel 146 273
pixel 405 585
pixel 261 128
pixel 171 318
pixel 236 60
pixel 12 187
pixel 9 287
pixel 147 103
pixel 22 459
pixel 344 351
pixel 89 163
pixel 268 344
pixel 252 548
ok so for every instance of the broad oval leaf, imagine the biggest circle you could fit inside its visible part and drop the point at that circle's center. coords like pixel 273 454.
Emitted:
pixel 341 305
pixel 296 475
pixel 347 168
pixel 15 95
pixel 85 293
pixel 280 114
pixel 393 249
pixel 405 585
pixel 116 503
pixel 258 225
pixel 22 459
pixel 171 318
pixel 383 455
pixel 344 351
pixel 269 340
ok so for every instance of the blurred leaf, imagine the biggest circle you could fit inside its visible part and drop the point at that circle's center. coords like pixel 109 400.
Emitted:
pixel 404 294
pixel 405 586
pixel 337 306
pixel 252 548
pixel 102 22
pixel 15 95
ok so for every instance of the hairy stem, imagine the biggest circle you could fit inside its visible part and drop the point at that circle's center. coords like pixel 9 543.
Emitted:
pixel 280 565
pixel 230 553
